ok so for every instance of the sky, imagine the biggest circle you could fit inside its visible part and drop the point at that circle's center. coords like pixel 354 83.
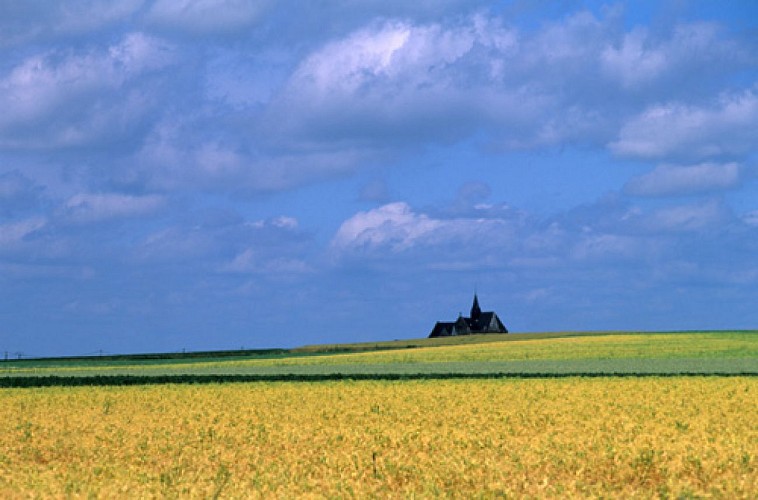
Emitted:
pixel 223 174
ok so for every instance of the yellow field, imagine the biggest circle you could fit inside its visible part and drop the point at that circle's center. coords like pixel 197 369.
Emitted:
pixel 649 437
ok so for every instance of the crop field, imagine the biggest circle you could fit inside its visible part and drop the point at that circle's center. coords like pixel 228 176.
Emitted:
pixel 669 437
pixel 611 354
pixel 669 415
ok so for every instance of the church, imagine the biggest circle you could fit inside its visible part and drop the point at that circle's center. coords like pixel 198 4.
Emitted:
pixel 478 322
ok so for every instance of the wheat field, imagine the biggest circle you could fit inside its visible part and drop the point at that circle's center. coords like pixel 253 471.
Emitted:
pixel 671 437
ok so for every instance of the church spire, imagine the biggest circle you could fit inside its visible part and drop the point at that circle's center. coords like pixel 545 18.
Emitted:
pixel 475 310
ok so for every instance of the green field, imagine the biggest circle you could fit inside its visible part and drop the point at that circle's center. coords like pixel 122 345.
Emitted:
pixel 549 354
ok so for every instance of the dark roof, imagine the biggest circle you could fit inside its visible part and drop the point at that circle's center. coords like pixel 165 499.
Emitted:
pixel 442 329
pixel 488 322
pixel 479 322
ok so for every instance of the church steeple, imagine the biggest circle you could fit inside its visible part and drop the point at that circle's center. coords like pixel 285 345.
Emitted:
pixel 475 309
pixel 479 323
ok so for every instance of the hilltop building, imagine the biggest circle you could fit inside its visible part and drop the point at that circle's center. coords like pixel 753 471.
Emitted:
pixel 478 322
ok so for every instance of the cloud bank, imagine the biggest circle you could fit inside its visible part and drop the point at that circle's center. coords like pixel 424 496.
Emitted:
pixel 173 172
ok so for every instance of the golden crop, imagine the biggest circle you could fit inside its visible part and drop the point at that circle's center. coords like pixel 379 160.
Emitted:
pixel 642 437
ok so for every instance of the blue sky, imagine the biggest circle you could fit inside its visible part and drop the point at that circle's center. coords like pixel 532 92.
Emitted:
pixel 213 174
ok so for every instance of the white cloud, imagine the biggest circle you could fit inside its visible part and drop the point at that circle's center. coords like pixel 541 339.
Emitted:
pixel 176 243
pixel 227 243
pixel 396 53
pixel 371 94
pixel 345 66
pixel 666 180
pixel 693 217
pixel 395 81
pixel 395 227
pixel 575 38
pixel 514 240
pixel 12 234
pixel 633 62
pixel 174 156
pixel 62 99
pixel 399 82
pixel 86 207
pixel 249 261
pixel 206 16
pixel 285 222
pixel 643 58
pixel 598 247
pixel 35 20
pixel 728 127
pixel 86 15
